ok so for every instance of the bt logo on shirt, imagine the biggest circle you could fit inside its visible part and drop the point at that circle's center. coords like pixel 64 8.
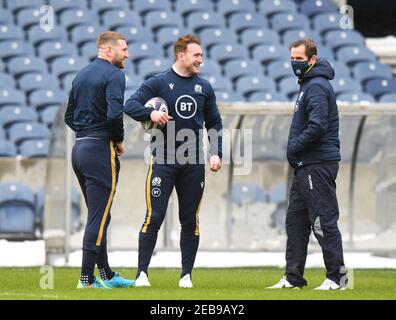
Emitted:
pixel 186 106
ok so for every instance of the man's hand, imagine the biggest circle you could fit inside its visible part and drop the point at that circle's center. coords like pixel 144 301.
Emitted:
pixel 215 163
pixel 120 149
pixel 159 117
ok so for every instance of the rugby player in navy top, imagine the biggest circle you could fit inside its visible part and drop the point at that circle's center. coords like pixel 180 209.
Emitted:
pixel 177 160
pixel 95 113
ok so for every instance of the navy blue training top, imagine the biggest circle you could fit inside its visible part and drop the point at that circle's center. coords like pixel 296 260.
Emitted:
pixel 191 102
pixel 95 106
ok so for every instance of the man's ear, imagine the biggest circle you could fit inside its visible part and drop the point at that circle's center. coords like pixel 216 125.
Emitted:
pixel 313 59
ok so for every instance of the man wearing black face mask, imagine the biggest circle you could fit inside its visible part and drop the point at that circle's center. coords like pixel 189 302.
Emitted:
pixel 314 152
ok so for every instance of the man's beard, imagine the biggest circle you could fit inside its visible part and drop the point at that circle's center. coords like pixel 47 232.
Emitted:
pixel 119 64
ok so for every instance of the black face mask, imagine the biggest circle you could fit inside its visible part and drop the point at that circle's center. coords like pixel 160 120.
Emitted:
pixel 299 67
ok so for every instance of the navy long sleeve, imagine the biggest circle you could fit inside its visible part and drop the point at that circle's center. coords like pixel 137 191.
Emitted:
pixel 191 103
pixel 95 105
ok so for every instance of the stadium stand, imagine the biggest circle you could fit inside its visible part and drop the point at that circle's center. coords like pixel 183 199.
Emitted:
pixel 242 41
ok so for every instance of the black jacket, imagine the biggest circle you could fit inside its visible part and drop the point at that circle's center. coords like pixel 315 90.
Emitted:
pixel 313 136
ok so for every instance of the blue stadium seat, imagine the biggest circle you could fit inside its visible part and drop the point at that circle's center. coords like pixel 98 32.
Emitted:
pixel 61 5
pixel 38 35
pixel 268 97
pixel 143 7
pixel 155 20
pixel 75 220
pixel 364 71
pixel 345 85
pixel 355 97
pixel 312 8
pixel 5 18
pixel 20 66
pixel 229 7
pixel 293 35
pixel 337 39
pixel 34 148
pixel 20 132
pixel 351 55
pixel 279 69
pixel 277 193
pixel 74 17
pixel 266 54
pixel 2 133
pixel 247 193
pixel 65 65
pixel 219 83
pixel 12 97
pixel 271 7
pixel 50 50
pixel 388 97
pixel 48 115
pixel 89 50
pixel 289 86
pixel 212 36
pixel 67 82
pixel 282 22
pixel 10 32
pixel 120 18
pixel 10 49
pixel 340 69
pixel 28 17
pixel 7 81
pixel 86 33
pixel 10 115
pixel 253 37
pixel 223 53
pixel 18 5
pixel 246 85
pixel 35 81
pixel 2 68
pixel 144 50
pixel 210 67
pixel 149 67
pixel 239 68
pixel 326 22
pixel 104 6
pixel 228 96
pixel 17 211
pixel 239 22
pixel 167 36
pixel 43 98
pixel 379 87
pixel 133 80
pixel 7 148
pixel 198 21
pixel 190 6
pixel 135 33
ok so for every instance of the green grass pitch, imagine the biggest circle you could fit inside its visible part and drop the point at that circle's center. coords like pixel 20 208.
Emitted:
pixel 209 284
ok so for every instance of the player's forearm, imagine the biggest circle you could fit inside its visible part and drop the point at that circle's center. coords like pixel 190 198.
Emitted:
pixel 136 110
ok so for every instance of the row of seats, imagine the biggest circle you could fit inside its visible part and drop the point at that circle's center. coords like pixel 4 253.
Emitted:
pixel 22 211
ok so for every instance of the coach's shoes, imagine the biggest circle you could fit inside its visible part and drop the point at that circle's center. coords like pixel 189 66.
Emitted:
pixel 97 284
pixel 142 280
pixel 186 282
pixel 283 284
pixel 329 285
pixel 118 282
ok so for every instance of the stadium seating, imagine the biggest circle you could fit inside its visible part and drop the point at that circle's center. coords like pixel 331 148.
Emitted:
pixel 17 211
pixel 241 40
pixel 10 115
pixel 35 148
pixel 20 132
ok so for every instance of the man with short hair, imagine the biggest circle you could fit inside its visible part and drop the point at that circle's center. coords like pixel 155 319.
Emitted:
pixel 95 113
pixel 191 102
pixel 314 152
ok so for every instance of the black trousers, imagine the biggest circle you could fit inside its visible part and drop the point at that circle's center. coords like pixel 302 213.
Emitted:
pixel 96 166
pixel 313 206
pixel 189 180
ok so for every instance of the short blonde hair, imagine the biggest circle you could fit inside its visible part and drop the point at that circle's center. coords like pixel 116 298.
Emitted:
pixel 109 37
pixel 182 43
